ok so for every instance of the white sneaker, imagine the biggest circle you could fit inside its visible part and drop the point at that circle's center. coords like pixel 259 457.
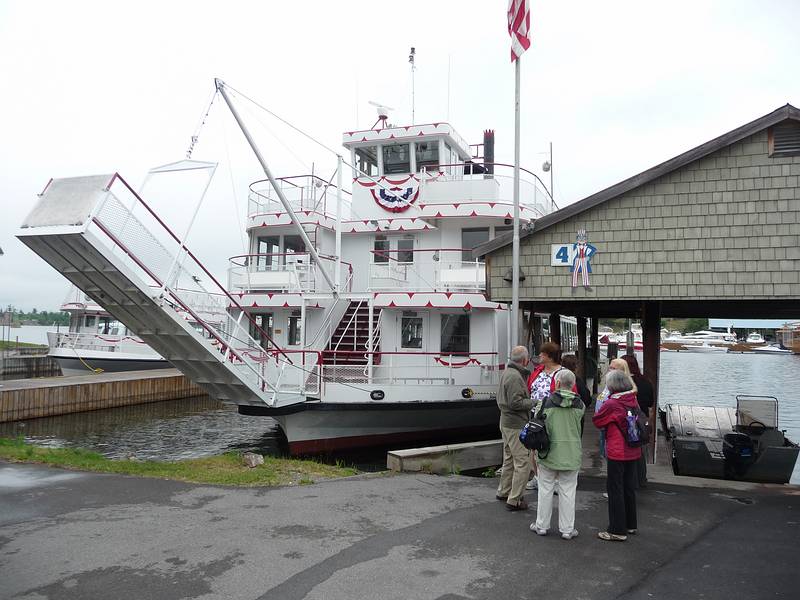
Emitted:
pixel 570 535
pixel 537 530
pixel 532 484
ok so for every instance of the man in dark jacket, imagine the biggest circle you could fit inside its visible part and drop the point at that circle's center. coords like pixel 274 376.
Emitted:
pixel 515 405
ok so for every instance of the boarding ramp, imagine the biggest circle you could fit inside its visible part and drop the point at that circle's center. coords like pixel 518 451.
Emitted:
pixel 103 237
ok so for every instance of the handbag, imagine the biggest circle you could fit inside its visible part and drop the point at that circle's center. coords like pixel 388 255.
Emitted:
pixel 533 434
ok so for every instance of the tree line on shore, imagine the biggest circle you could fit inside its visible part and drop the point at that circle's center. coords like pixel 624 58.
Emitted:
pixel 16 316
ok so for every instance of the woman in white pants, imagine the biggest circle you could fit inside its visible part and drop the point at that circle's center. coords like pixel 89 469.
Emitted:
pixel 559 467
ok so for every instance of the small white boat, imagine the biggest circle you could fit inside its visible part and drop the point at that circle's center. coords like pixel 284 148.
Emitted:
pixel 771 350
pixel 705 348
pixel 755 338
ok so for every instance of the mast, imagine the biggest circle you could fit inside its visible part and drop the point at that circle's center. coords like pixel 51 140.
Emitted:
pixel 221 87
pixel 515 240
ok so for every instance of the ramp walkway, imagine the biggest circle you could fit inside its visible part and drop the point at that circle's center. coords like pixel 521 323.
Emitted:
pixel 103 237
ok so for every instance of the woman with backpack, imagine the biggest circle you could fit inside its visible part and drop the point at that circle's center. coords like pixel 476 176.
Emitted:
pixel 622 457
pixel 645 394
pixel 541 384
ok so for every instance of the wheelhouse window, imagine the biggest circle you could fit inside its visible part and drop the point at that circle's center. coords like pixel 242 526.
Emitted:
pixel 405 251
pixel 455 334
pixel 271 247
pixel 295 329
pixel 427 155
pixel 411 332
pixel 263 322
pixel 471 237
pixel 396 158
pixel 367 161
pixel 89 322
pixel 380 249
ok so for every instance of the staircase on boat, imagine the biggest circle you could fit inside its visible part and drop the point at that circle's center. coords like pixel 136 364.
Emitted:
pixel 99 234
pixel 349 344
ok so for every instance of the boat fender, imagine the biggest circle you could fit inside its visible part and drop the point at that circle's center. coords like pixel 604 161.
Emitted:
pixel 467 393
pixel 377 394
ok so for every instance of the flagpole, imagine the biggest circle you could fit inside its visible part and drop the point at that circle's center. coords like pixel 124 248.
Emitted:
pixel 515 245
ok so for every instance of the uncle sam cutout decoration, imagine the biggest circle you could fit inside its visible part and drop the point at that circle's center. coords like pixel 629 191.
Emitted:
pixel 582 252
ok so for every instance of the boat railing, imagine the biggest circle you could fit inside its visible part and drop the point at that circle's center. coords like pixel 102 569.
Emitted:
pixel 160 259
pixel 303 192
pixel 440 184
pixel 283 271
pixel 97 342
pixel 401 368
pixel 426 269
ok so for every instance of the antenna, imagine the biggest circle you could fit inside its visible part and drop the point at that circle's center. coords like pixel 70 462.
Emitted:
pixel 411 56
pixel 383 113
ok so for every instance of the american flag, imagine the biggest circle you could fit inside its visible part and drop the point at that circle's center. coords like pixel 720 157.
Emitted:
pixel 519 23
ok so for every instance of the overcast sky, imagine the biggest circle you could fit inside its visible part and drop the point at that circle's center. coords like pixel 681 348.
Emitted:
pixel 617 86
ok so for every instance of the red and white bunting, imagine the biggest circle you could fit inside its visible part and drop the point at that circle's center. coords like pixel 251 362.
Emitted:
pixel 519 24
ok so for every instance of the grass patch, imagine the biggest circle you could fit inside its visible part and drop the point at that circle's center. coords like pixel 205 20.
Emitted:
pixel 12 345
pixel 225 469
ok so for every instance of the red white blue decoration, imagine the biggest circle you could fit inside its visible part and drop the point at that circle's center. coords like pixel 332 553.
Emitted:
pixel 582 254
pixel 396 198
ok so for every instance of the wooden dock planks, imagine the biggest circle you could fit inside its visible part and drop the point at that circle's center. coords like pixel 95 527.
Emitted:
pixel 33 398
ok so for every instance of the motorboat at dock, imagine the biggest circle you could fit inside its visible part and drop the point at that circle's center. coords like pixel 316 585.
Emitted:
pixel 743 444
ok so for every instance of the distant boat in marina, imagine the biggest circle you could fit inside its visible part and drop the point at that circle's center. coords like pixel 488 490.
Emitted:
pixel 704 348
pixel 771 350
pixel 755 338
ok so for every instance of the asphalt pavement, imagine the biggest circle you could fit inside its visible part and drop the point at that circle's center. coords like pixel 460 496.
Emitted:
pixel 71 535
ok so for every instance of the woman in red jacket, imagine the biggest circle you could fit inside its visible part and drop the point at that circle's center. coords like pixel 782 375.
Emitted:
pixel 622 476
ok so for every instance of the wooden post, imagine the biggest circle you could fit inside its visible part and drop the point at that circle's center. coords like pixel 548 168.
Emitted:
pixel 651 330
pixel 555 328
pixel 594 333
pixel 581 354
pixel 537 333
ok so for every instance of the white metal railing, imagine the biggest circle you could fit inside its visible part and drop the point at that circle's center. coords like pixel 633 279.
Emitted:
pixel 284 271
pixel 138 235
pixel 98 342
pixel 398 368
pixel 428 270
pixel 303 192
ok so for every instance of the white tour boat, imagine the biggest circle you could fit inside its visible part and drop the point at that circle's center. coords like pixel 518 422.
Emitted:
pixel 96 341
pixel 358 317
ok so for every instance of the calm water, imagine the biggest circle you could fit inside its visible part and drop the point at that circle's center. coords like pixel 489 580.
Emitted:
pixel 201 426
pixel 31 334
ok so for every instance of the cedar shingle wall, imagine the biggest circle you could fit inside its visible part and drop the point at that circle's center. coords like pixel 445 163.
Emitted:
pixel 724 227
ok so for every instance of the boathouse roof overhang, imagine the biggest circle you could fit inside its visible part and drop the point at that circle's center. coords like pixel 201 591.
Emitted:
pixel 712 232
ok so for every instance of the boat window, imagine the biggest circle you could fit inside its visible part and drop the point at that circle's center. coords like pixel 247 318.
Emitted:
pixel 263 321
pixel 295 330
pixel 405 251
pixel 411 336
pixel 104 325
pixel 471 237
pixel 89 321
pixel 293 244
pixel 427 155
pixel 268 248
pixel 501 229
pixel 380 249
pixel 367 161
pixel 455 334
pixel 396 159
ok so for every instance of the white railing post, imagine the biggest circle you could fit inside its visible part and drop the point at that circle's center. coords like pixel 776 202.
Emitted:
pixel 371 308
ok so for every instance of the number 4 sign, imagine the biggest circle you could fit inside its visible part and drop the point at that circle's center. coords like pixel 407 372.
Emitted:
pixel 576 256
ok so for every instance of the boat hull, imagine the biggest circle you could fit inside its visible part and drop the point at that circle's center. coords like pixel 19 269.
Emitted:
pixel 317 427
pixel 73 365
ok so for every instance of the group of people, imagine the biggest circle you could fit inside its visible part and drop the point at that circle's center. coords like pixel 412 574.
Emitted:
pixel 553 393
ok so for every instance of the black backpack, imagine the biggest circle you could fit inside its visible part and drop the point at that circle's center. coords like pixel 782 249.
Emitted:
pixel 534 434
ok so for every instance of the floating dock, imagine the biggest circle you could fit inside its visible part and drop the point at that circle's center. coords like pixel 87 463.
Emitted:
pixel 32 398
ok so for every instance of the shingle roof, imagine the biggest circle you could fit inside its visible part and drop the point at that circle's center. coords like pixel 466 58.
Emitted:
pixel 787 112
